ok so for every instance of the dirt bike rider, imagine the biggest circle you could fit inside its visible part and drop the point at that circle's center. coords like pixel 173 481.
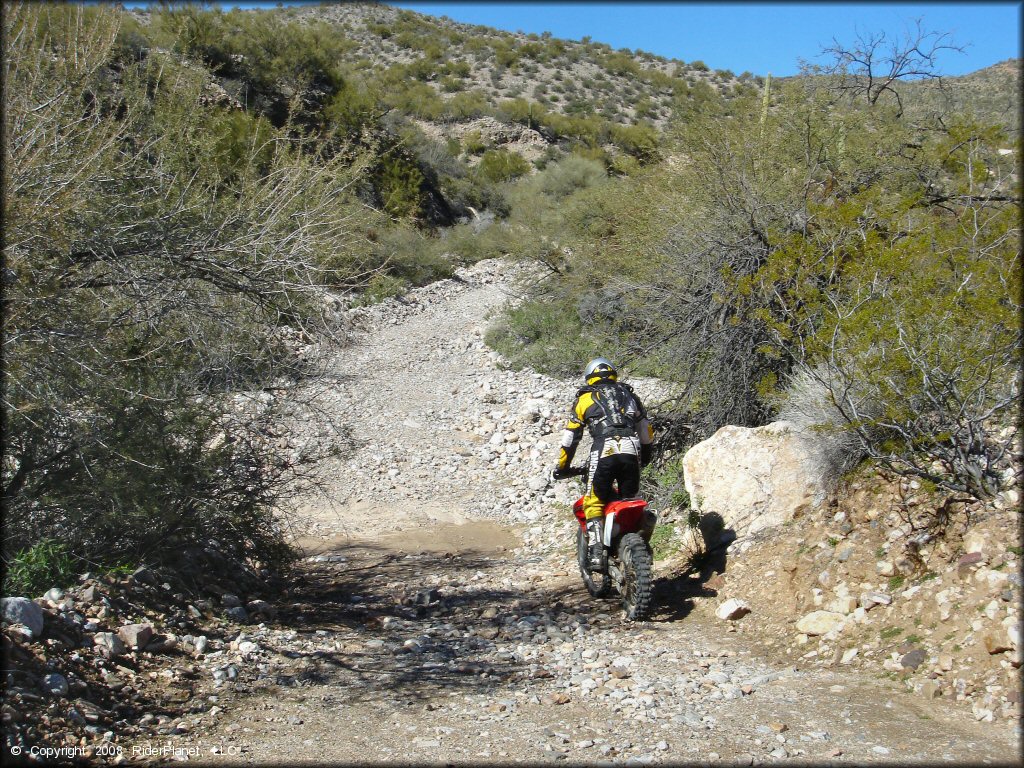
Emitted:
pixel 622 443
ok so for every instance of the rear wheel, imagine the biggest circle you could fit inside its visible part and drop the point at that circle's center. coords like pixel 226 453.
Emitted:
pixel 638 576
pixel 598 584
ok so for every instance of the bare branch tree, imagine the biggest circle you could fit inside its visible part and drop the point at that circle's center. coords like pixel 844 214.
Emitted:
pixel 874 63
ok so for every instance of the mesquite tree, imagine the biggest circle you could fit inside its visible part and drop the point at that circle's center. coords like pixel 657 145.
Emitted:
pixel 164 258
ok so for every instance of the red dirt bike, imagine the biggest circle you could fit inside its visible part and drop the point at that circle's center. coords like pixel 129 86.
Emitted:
pixel 628 561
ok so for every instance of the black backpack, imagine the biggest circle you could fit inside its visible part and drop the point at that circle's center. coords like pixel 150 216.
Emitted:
pixel 618 412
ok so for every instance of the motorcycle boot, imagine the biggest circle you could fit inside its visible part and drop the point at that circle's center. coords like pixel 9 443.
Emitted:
pixel 595 543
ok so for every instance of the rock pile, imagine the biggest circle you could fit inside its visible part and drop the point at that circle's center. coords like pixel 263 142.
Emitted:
pixel 89 665
pixel 858 589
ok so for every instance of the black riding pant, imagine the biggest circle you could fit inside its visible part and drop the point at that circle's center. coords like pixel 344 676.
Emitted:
pixel 604 471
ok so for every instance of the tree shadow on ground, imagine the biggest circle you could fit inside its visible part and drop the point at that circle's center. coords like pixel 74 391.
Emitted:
pixel 374 624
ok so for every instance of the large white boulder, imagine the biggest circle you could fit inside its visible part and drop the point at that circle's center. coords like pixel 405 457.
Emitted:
pixel 757 478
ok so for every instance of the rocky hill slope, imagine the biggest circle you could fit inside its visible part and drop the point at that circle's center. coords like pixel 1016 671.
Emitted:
pixel 562 75
pixel 992 93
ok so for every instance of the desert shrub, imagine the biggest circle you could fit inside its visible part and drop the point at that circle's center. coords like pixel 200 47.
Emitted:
pixel 622 165
pixel 621 64
pixel 545 335
pixel 356 106
pixel 561 179
pixel 160 273
pixel 380 287
pixel 274 57
pixel 474 143
pixel 498 165
pixel 464 106
pixel 415 98
pixel 485 237
pixel 592 154
pixel 531 50
pixel 243 145
pixel 412 257
pixel 423 69
pixel 451 84
pixel 806 401
pixel 505 54
pixel 473 191
pixel 478 46
pixel 641 141
pixel 521 111
pixel 398 182
pixel 433 156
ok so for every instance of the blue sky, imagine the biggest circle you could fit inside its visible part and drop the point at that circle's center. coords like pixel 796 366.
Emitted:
pixel 755 37
pixel 758 37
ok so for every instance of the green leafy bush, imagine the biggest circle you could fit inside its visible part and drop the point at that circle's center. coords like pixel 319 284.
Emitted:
pixel 399 182
pixel 32 571
pixel 498 165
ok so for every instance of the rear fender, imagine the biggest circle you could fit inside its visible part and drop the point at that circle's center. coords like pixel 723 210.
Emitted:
pixel 626 516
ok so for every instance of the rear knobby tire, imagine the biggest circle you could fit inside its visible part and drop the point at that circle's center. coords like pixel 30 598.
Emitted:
pixel 638 576
pixel 598 584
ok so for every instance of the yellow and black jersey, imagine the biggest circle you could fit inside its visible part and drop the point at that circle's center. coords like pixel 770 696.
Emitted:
pixel 615 417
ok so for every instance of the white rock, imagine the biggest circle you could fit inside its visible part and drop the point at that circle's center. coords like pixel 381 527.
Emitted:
pixel 109 642
pixel 975 541
pixel 820 622
pixel 732 609
pixel 844 605
pixel 761 477
pixel 869 600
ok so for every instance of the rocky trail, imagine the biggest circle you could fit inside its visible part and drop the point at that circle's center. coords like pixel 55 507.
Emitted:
pixel 440 618
pixel 437 616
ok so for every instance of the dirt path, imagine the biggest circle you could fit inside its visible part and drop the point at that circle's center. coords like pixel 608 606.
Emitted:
pixel 422 629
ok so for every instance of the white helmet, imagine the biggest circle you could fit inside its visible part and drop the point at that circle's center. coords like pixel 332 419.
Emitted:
pixel 600 368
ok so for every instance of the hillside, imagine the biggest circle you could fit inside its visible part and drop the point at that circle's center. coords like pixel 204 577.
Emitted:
pixel 992 93
pixel 457 108
pixel 567 76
